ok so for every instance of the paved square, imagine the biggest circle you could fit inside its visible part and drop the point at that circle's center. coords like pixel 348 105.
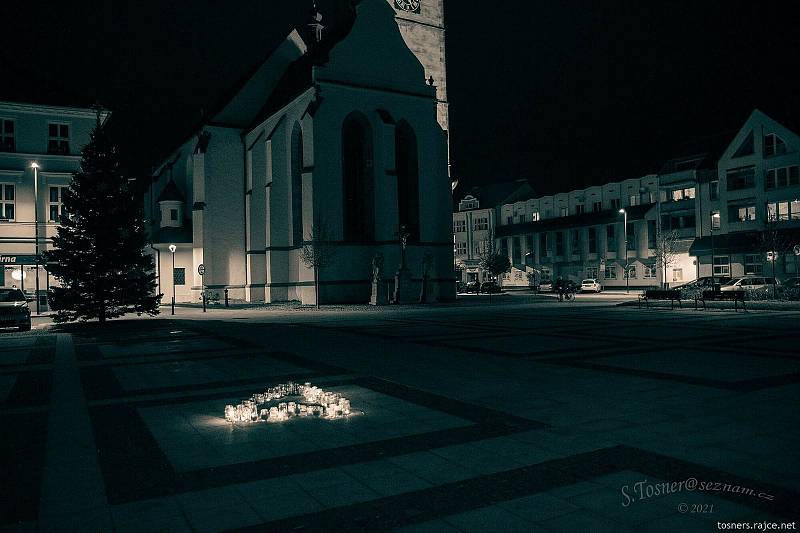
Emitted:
pixel 526 416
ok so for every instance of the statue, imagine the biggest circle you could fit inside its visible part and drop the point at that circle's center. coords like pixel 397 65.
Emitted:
pixel 424 295
pixel 403 285
pixel 379 296
pixel 377 268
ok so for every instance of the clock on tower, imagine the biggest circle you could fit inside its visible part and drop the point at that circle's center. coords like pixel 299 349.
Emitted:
pixel 412 6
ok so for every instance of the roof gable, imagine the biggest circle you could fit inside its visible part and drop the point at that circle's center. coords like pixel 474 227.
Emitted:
pixel 759 124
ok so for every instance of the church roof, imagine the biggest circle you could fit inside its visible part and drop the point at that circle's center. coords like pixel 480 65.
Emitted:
pixel 171 193
pixel 495 194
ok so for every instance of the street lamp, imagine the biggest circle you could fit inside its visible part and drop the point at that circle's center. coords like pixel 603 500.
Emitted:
pixel 714 225
pixel 172 249
pixel 625 232
pixel 35 167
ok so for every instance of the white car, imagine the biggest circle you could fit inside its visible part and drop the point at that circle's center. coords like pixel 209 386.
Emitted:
pixel 749 283
pixel 591 285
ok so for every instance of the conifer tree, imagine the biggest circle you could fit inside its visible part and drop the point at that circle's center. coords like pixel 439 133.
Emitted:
pixel 98 254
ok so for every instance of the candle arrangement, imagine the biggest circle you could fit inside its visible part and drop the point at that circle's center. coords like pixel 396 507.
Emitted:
pixel 315 402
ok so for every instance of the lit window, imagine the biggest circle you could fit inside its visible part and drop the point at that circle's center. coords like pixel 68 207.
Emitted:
pixel 722 265
pixel 631 271
pixel 773 145
pixel 677 274
pixel 779 211
pixel 56 203
pixel 688 193
pixel 743 213
pixel 6 201
pixel 58 139
pixel 794 209
pixel 534 216
pixel 7 135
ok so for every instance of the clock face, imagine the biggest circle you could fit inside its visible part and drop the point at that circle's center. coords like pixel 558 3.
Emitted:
pixel 412 6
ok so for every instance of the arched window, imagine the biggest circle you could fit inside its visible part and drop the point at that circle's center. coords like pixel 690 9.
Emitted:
pixel 407 165
pixel 357 174
pixel 297 185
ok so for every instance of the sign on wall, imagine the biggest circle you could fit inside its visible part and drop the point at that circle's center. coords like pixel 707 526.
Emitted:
pixel 8 259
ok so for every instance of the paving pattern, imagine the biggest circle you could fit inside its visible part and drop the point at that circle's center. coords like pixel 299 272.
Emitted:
pixel 525 417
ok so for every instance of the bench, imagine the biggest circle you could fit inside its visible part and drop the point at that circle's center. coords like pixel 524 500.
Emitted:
pixel 719 296
pixel 672 295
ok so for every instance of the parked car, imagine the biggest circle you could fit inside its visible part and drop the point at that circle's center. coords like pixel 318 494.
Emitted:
pixel 546 286
pixel 791 283
pixel 591 285
pixel 695 288
pixel 14 310
pixel 473 286
pixel 750 283
pixel 490 287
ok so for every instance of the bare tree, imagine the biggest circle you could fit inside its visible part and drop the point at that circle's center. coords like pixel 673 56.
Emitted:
pixel 492 261
pixel 774 244
pixel 318 252
pixel 667 250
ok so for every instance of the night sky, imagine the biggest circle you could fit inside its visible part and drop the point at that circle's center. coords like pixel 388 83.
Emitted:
pixel 565 94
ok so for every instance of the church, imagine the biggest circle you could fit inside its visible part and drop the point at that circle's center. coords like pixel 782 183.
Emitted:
pixel 334 152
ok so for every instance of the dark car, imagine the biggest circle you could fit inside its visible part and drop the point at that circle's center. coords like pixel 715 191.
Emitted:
pixel 706 283
pixel 473 286
pixel 14 310
pixel 490 287
pixel 791 283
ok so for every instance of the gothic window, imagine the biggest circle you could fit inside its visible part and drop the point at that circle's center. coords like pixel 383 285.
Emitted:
pixel 407 165
pixel 359 186
pixel 297 185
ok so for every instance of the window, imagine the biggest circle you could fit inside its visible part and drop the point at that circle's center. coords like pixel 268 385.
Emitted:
pixel 782 177
pixel 611 272
pixel 741 178
pixel 509 220
pixel 742 213
pixel 534 216
pixel 359 184
pixel 516 251
pixel 633 199
pixel 459 226
pixel 6 201
pixel 632 271
pixel 597 207
pixel 611 238
pixel 715 220
pixel 773 145
pixel 575 242
pixel 592 238
pixel 591 272
pixel 781 211
pixel 683 194
pixel 677 274
pixel 58 138
pixel 559 243
pixel 630 237
pixel 649 272
pixel 480 223
pixel 504 247
pixel 722 265
pixel 564 211
pixel 173 214
pixel 713 188
pixel 615 204
pixel 7 135
pixel 579 209
pixel 56 204
pixel 651 234
pixel 179 276
pixel 753 265
pixel 297 185
pixel 461 248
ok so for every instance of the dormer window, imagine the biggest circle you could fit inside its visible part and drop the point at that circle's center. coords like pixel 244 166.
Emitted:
pixel 58 139
pixel 171 204
pixel 773 145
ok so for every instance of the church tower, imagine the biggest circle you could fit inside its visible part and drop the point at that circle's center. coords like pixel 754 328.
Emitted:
pixel 422 25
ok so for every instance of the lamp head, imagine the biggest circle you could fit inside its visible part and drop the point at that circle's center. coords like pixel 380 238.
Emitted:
pixel 622 211
pixel 172 248
pixel 34 165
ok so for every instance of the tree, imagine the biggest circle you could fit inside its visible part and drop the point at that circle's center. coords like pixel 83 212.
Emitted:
pixel 318 252
pixel 493 262
pixel 667 250
pixel 773 243
pixel 99 256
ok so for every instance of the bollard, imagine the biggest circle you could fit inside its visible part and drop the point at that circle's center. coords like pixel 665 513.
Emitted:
pixel 226 298
pixel 204 301
pixel 173 305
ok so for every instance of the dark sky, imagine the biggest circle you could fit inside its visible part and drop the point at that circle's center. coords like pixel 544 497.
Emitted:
pixel 563 93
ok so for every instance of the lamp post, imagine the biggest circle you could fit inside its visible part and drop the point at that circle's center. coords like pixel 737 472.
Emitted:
pixel 172 249
pixel 714 225
pixel 625 232
pixel 35 167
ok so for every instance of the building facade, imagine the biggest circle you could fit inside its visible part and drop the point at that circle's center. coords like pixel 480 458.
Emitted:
pixel 51 138
pixel 731 210
pixel 335 135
